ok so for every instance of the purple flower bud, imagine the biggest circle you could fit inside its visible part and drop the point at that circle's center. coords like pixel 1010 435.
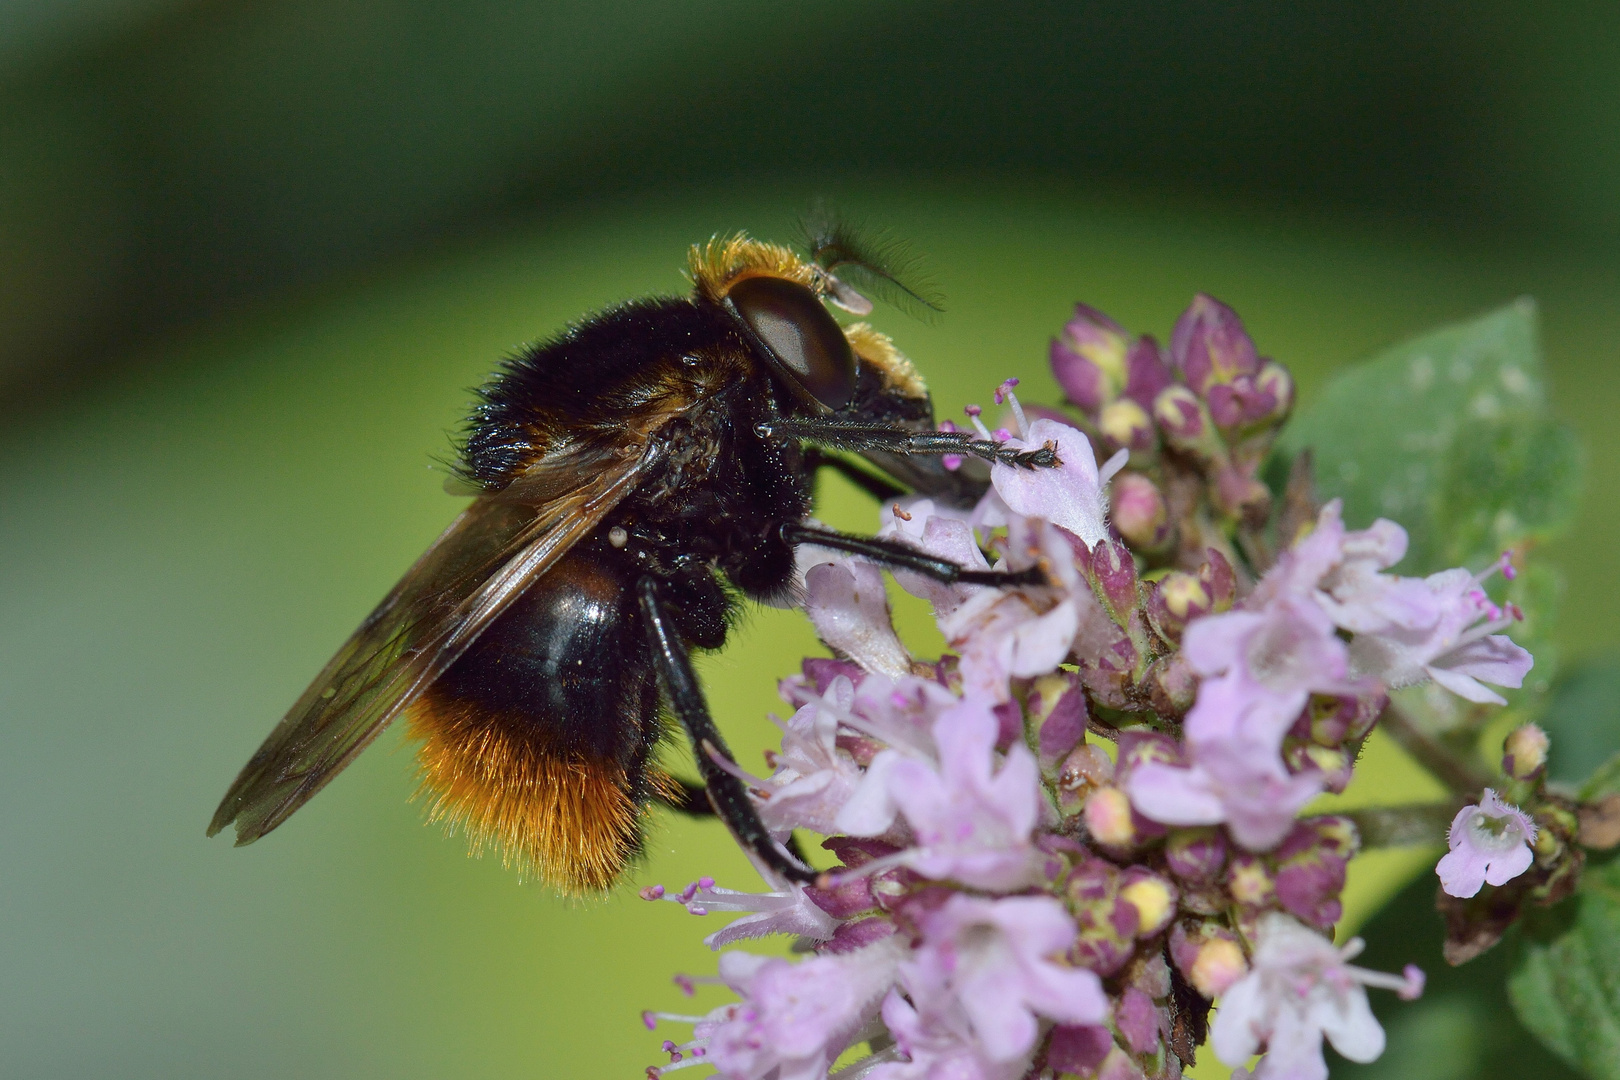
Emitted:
pixel 1209 345
pixel 1114 572
pixel 1172 685
pixel 1057 718
pixel 1240 495
pixel 857 935
pixel 1240 403
pixel 1248 880
pixel 1147 371
pixel 1139 512
pixel 1107 923
pixel 1137 1021
pixel 1308 887
pixel 1153 896
pixel 1218 577
pixel 1124 423
pixel 1275 382
pixel 1082 771
pixel 1195 854
pixel 1181 417
pixel 822 671
pixel 1208 956
pixel 1138 748
pixel 1176 600
pixel 1088 359
pixel 1334 765
pixel 1329 718
pixel 1078 1050
pixel 1524 752
pixel 1109 818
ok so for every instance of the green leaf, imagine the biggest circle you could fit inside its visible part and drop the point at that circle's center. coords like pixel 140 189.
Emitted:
pixel 1583 720
pixel 1448 434
pixel 1463 1028
pixel 1565 984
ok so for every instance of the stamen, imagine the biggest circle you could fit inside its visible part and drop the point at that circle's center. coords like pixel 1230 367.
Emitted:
pixel 1112 466
pixel 973 412
pixel 1004 392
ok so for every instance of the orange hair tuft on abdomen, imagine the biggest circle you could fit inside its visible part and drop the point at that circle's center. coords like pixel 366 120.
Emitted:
pixel 569 819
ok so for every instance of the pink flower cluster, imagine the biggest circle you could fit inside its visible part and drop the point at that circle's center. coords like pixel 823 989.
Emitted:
pixel 1061 843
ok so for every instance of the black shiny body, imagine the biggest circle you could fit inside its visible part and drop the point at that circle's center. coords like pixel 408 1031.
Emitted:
pixel 570 661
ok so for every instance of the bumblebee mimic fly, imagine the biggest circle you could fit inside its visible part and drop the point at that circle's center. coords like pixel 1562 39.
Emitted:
pixel 634 478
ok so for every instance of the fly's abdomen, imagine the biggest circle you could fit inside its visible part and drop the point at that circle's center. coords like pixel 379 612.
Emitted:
pixel 538 739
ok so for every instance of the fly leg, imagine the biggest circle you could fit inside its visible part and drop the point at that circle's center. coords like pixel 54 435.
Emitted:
pixel 867 438
pixel 898 556
pixel 726 794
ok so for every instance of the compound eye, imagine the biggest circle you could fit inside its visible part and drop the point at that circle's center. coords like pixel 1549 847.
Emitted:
pixel 802 336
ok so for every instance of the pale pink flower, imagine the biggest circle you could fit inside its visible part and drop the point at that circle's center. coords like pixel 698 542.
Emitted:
pixel 849 606
pixel 813 779
pixel 930 1048
pixel 1299 989
pixel 1461 650
pixel 1490 844
pixel 972 823
pixel 1234 775
pixel 986 966
pixel 787 909
pixel 1070 496
pixel 794 1019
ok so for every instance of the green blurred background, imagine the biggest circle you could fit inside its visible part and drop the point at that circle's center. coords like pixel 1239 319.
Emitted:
pixel 252 255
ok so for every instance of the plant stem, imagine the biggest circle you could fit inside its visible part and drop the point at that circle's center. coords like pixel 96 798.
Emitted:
pixel 1408 825
pixel 1457 774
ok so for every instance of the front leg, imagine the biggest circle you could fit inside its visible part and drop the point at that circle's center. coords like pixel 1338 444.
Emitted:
pixel 727 794
pixel 899 556
pixel 864 437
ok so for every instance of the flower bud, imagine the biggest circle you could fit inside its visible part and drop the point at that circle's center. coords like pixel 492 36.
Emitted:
pixel 1172 685
pixel 1524 752
pixel 1107 924
pixel 1241 496
pixel 1124 423
pixel 1248 880
pixel 1088 359
pixel 1150 973
pixel 1275 382
pixel 1137 748
pixel 1219 578
pixel 1146 371
pixel 1240 404
pixel 1153 897
pixel 1195 854
pixel 1137 1021
pixel 1182 418
pixel 1333 763
pixel 1176 600
pixel 1109 818
pixel 1056 710
pixel 1083 770
pixel 1139 512
pixel 1209 345
pixel 1114 572
pixel 1208 956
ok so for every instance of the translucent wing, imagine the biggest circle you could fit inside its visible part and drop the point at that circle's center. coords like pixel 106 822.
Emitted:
pixel 482 562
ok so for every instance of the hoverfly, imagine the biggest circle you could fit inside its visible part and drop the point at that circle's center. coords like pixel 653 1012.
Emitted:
pixel 632 476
